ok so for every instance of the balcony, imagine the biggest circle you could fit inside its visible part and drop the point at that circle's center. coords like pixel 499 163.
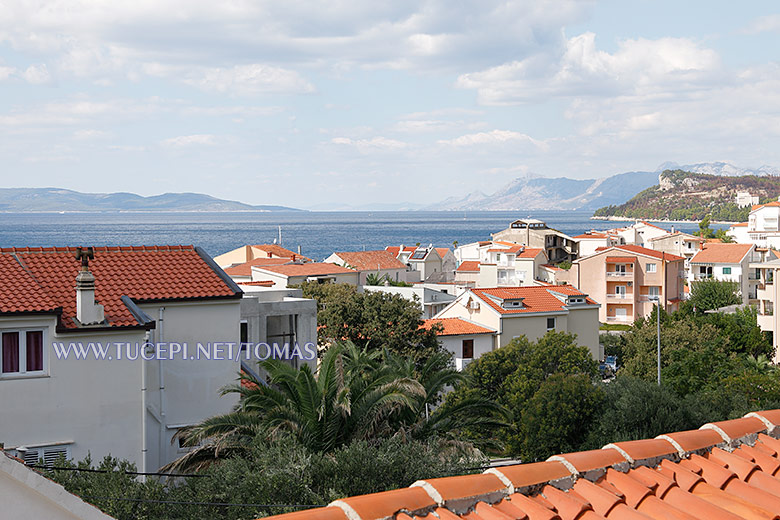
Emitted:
pixel 462 363
pixel 620 298
pixel 648 298
pixel 620 319
pixel 620 275
pixel 765 292
pixel 766 322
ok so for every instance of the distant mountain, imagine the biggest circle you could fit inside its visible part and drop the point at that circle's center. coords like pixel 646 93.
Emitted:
pixel 533 192
pixel 684 195
pixel 381 206
pixel 13 200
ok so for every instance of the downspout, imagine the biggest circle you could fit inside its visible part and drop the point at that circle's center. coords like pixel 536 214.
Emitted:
pixel 663 279
pixel 160 339
pixel 144 449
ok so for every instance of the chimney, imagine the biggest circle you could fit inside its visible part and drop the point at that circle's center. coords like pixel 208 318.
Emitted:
pixel 87 311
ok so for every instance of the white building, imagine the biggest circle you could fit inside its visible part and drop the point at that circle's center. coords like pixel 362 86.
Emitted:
pixel 431 301
pixel 119 403
pixel 287 275
pixel 762 229
pixel 26 494
pixel 493 264
pixel 590 241
pixel 739 232
pixel 244 254
pixel 730 262
pixel 530 311
pixel 465 339
pixel 744 199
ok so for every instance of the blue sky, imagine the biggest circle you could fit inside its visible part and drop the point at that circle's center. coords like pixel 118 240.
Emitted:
pixel 307 104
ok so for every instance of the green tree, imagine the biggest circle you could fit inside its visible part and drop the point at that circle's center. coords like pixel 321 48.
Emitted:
pixel 372 319
pixel 557 417
pixel 710 294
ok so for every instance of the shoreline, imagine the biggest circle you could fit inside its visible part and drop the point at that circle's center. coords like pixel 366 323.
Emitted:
pixel 625 219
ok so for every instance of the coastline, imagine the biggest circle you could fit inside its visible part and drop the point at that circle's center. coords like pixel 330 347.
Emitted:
pixel 625 219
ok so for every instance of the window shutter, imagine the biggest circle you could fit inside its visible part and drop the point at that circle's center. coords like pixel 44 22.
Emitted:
pixel 31 457
pixel 50 455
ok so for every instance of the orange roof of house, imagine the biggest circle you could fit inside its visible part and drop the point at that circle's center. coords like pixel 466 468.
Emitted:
pixel 772 204
pixel 456 327
pixel 621 259
pixel 280 252
pixel 740 224
pixel 258 283
pixel 442 251
pixel 307 269
pixel 396 250
pixel 552 267
pixel 530 252
pixel 371 260
pixel 592 235
pixel 245 269
pixel 42 279
pixel 724 470
pixel 535 298
pixel 516 248
pixel 652 225
pixel 468 266
pixel 642 251
pixel 722 253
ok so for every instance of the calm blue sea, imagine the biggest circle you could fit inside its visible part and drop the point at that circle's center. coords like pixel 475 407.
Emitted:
pixel 318 233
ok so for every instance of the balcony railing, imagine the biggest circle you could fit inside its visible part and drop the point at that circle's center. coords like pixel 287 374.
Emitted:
pixel 620 274
pixel 613 296
pixel 619 319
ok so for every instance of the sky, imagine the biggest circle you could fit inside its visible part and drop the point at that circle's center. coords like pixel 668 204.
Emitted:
pixel 313 104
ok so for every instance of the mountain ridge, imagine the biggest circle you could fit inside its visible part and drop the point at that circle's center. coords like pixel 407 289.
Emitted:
pixel 26 200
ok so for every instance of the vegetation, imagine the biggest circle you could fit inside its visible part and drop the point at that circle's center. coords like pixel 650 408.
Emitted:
pixel 710 294
pixel 682 195
pixel 279 473
pixel 374 320
pixel 355 395
pixel 376 279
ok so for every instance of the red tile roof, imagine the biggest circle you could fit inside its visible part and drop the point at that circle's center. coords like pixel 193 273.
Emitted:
pixel 468 266
pixel 245 269
pixel 740 224
pixel 442 251
pixel 371 260
pixel 643 251
pixel 258 283
pixel 769 205
pixel 592 235
pixel 308 269
pixel 725 470
pixel 456 326
pixel 722 253
pixel 279 251
pixel 38 279
pixel 395 250
pixel 535 298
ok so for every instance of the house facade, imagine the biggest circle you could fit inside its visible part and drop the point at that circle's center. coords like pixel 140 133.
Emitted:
pixel 731 262
pixel 590 241
pixel 288 275
pixel 627 281
pixel 763 227
pixel 466 340
pixel 130 313
pixel 530 312
pixel 247 253
pixel 493 264
pixel 431 301
pixel 534 233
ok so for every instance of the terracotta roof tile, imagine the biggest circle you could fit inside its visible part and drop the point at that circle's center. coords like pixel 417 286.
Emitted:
pixel 143 273
pixel 371 260
pixel 245 269
pixel 278 251
pixel 456 326
pixel 649 252
pixel 708 483
pixel 535 298
pixel 468 266
pixel 308 269
pixel 722 253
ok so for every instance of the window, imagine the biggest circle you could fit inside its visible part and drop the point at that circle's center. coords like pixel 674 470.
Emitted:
pixel 654 291
pixel 468 349
pixel 651 268
pixel 550 323
pixel 727 270
pixel 49 454
pixel 22 352
pixel 244 333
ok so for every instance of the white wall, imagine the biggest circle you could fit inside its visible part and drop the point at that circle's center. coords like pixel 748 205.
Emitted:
pixel 483 343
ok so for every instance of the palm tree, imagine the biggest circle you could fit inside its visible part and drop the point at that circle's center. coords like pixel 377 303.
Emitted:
pixel 357 394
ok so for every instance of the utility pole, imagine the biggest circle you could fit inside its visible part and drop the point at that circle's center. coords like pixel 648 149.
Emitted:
pixel 658 335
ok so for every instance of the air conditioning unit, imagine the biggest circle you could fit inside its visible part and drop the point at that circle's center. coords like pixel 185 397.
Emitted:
pixel 630 284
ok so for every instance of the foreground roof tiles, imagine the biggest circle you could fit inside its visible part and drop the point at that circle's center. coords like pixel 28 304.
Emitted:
pixel 245 269
pixel 274 250
pixel 535 298
pixel 308 269
pixel 44 279
pixel 724 471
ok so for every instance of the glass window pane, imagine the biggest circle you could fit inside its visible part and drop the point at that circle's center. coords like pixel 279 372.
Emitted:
pixel 10 352
pixel 34 350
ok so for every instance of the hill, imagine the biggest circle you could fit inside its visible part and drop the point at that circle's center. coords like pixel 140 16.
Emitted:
pixel 684 195
pixel 21 200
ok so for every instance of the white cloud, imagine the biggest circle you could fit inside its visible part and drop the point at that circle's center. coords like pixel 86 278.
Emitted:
pixel 36 74
pixel 579 69
pixel 493 137
pixel 769 23
pixel 374 144
pixel 89 134
pixel 251 79
pixel 190 140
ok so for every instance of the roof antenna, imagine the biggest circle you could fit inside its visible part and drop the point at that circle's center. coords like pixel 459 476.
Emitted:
pixel 280 235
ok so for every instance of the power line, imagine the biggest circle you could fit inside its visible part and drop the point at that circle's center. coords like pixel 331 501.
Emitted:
pixel 193 503
pixel 92 470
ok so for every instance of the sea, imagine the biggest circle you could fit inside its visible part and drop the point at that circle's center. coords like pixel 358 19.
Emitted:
pixel 318 233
